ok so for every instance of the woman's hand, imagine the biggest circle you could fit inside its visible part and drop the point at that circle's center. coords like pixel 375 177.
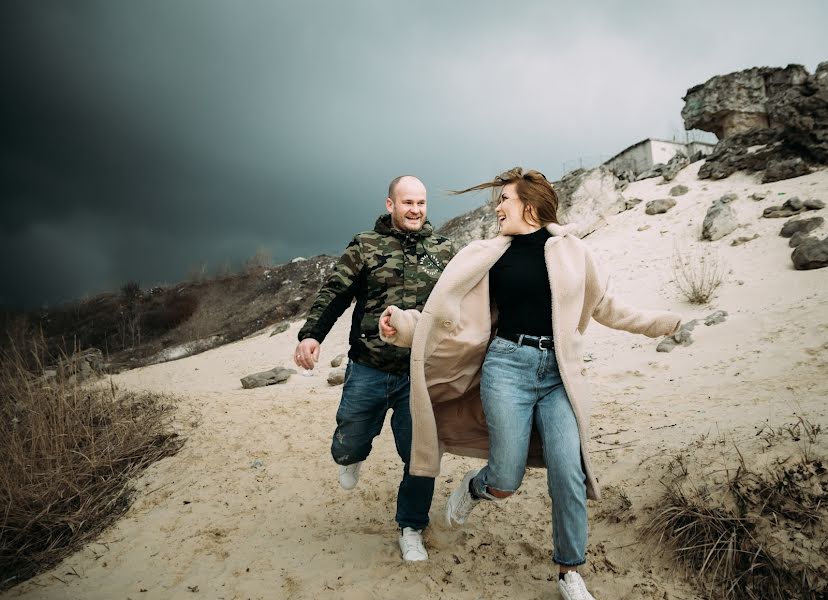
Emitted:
pixel 385 323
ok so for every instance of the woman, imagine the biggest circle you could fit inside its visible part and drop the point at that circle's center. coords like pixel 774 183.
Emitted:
pixel 536 286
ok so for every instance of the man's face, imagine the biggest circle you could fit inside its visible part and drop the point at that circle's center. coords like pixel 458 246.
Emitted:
pixel 408 206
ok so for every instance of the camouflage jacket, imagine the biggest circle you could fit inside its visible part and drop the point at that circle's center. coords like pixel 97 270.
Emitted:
pixel 379 268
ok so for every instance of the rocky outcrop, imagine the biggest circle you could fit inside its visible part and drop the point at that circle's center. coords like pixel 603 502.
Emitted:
pixel 587 197
pixel 674 165
pixel 767 119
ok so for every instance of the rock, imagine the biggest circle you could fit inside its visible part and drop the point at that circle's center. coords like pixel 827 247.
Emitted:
pixel 743 240
pixel 587 197
pixel 719 221
pixel 759 195
pixel 674 165
pixel 657 207
pixel 778 212
pixel 800 226
pixel 79 367
pixel 336 376
pixel 187 349
pixel 719 316
pixel 767 119
pixel 632 203
pixel 785 168
pixel 279 328
pixel 654 171
pixel 799 238
pixel 337 360
pixel 792 206
pixel 811 255
pixel 275 375
pixel 794 203
pixel 729 197
pixel 644 228
pixel 679 190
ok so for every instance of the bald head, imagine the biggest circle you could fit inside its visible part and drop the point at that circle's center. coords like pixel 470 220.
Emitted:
pixel 405 180
pixel 407 203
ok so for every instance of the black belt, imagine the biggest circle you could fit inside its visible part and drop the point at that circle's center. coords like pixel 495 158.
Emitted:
pixel 543 342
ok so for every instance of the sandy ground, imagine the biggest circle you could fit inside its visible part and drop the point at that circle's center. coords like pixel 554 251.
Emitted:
pixel 251 508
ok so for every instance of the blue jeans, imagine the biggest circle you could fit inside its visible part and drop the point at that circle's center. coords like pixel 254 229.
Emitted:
pixel 367 396
pixel 519 385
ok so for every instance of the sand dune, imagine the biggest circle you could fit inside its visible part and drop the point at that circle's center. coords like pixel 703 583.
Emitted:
pixel 250 508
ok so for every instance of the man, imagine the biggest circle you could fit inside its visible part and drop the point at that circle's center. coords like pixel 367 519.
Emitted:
pixel 397 263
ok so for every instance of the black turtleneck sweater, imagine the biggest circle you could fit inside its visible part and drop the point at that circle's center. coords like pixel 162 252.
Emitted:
pixel 519 286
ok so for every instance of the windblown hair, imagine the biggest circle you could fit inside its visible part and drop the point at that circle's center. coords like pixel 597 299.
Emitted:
pixel 533 190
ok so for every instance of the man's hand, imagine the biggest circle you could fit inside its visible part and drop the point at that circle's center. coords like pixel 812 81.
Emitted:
pixel 307 353
pixel 385 324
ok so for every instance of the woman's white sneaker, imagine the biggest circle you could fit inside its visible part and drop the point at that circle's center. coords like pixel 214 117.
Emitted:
pixel 460 503
pixel 572 587
pixel 411 545
pixel 349 475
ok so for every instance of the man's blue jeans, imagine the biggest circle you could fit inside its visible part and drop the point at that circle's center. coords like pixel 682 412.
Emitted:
pixel 367 396
pixel 519 385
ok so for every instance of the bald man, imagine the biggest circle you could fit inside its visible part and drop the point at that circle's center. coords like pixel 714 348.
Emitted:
pixel 397 264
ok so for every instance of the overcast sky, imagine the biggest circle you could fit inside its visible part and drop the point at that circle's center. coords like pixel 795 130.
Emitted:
pixel 142 138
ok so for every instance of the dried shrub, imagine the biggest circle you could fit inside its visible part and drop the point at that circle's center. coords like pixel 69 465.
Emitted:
pixel 67 455
pixel 697 274
pixel 171 312
pixel 747 534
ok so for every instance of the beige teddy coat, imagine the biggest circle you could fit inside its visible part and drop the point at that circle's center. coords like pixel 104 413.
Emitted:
pixel 449 339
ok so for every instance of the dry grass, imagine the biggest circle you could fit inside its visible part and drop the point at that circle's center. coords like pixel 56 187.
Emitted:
pixel 67 455
pixel 745 533
pixel 697 274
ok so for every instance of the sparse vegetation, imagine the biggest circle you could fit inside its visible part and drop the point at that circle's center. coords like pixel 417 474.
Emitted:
pixel 697 274
pixel 67 455
pixel 748 532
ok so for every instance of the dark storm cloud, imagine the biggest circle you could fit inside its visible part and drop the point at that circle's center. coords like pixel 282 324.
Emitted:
pixel 141 139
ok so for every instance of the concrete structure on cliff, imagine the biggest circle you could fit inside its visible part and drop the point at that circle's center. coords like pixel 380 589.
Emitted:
pixel 642 155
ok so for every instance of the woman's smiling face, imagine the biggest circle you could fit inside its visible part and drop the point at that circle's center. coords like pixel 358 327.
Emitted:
pixel 511 212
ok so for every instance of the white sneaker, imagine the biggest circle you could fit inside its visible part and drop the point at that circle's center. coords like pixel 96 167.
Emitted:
pixel 411 545
pixel 349 475
pixel 460 503
pixel 572 587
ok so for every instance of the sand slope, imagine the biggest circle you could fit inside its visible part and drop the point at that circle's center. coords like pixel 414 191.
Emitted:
pixel 250 508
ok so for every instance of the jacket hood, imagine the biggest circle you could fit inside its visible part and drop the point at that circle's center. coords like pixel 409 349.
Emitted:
pixel 383 226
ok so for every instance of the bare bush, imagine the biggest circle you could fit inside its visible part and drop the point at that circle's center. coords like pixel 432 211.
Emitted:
pixel 748 534
pixel 261 260
pixel 67 454
pixel 697 274
pixel 169 312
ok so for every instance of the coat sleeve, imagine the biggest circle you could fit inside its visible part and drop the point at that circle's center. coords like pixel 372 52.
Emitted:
pixel 405 322
pixel 612 311
pixel 335 295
